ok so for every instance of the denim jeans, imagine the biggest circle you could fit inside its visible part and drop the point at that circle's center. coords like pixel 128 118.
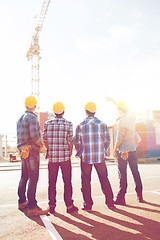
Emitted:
pixel 122 171
pixel 86 170
pixel 30 174
pixel 66 175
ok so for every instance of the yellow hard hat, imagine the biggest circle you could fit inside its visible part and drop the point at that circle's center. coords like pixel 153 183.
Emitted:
pixel 30 102
pixel 58 107
pixel 91 107
pixel 122 105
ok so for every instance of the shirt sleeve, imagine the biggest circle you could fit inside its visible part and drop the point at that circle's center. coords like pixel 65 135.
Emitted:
pixel 77 139
pixel 107 138
pixel 70 134
pixel 35 130
pixel 45 132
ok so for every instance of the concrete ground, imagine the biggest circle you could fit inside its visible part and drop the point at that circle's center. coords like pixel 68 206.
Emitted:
pixel 135 221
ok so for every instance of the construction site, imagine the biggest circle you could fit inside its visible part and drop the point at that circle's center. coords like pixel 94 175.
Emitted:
pixel 110 59
pixel 148 149
pixel 148 123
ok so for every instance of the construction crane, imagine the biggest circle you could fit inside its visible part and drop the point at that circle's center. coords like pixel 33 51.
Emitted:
pixel 33 53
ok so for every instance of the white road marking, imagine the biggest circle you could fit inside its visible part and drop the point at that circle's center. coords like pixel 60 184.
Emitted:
pixel 156 192
pixel 150 177
pixel 51 229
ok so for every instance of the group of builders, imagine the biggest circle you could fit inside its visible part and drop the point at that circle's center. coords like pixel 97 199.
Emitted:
pixel 91 142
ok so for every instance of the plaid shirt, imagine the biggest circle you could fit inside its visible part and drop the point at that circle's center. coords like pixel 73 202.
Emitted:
pixel 28 130
pixel 58 133
pixel 126 132
pixel 92 140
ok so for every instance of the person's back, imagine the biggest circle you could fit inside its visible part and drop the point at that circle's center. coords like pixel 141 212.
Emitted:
pixel 126 132
pixel 26 133
pixel 95 138
pixel 59 135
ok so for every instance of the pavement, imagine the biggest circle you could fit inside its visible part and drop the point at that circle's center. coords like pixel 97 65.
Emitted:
pixel 136 221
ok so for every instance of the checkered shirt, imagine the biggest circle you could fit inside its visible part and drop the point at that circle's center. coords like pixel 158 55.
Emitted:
pixel 28 130
pixel 92 140
pixel 126 132
pixel 58 133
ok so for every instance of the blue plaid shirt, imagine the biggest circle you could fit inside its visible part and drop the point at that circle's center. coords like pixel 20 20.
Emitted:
pixel 58 133
pixel 28 130
pixel 92 140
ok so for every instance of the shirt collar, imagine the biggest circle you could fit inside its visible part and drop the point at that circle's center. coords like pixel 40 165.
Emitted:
pixel 27 111
pixel 91 117
pixel 59 117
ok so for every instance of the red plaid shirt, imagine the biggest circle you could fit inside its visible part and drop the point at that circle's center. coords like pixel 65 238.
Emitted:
pixel 58 133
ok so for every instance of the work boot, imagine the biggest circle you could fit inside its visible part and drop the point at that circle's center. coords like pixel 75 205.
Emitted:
pixel 51 209
pixel 120 201
pixel 112 207
pixel 37 211
pixel 23 205
pixel 72 209
pixel 140 198
pixel 87 208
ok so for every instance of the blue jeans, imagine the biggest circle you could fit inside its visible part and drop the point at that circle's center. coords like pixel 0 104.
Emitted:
pixel 122 171
pixel 30 174
pixel 86 170
pixel 66 174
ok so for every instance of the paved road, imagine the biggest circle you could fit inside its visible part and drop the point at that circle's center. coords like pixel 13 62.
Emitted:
pixel 136 221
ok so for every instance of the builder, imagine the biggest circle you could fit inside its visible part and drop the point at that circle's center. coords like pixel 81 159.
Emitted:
pixel 92 140
pixel 126 143
pixel 29 143
pixel 58 138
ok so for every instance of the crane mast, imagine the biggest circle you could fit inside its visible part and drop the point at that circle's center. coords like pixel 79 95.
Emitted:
pixel 33 53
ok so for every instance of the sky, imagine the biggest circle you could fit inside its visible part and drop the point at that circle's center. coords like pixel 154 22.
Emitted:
pixel 90 49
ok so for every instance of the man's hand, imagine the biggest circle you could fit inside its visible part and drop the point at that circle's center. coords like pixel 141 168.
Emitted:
pixel 111 100
pixel 114 153
pixel 40 144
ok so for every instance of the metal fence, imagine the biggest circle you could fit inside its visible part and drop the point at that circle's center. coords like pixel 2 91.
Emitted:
pixel 150 143
pixel 8 143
